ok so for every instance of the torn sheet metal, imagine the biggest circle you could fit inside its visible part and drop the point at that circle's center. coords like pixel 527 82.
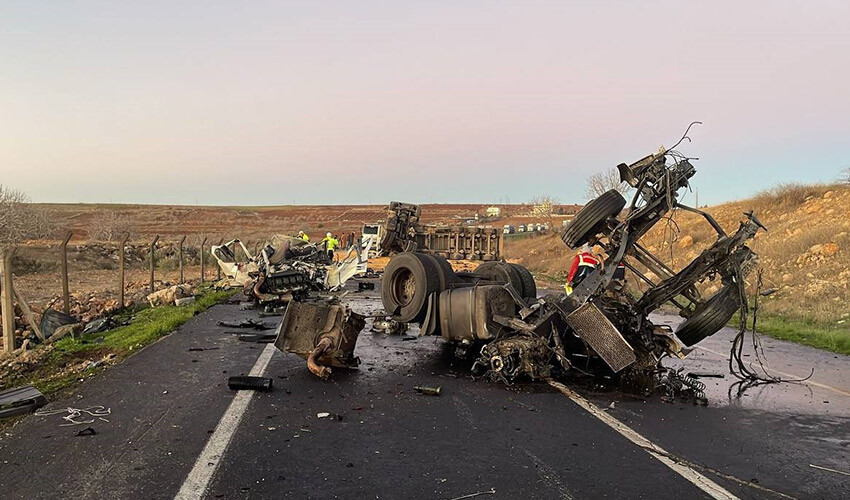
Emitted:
pixel 323 334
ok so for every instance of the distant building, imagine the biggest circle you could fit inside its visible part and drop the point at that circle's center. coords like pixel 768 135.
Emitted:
pixel 494 211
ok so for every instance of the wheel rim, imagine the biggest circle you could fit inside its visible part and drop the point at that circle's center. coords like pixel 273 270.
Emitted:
pixel 404 287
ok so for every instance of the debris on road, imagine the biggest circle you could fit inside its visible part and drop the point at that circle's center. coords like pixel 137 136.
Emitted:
pixel 88 431
pixel 74 414
pixel 388 326
pixel 323 333
pixel 428 391
pixel 260 338
pixel 20 400
pixel 249 383
pixel 248 323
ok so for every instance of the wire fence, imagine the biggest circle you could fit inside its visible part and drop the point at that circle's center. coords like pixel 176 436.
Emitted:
pixel 90 279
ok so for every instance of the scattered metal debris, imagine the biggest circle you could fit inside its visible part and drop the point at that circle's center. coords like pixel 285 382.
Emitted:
pixel 288 268
pixel 323 333
pixel 428 391
pixel 388 326
pixel 260 338
pixel 249 383
pixel 88 431
pixel 20 400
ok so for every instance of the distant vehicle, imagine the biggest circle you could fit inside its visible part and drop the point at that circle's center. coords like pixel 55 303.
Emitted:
pixel 508 229
pixel 520 228
pixel 538 227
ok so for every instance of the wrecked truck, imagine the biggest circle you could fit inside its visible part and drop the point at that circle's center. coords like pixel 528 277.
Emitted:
pixel 288 268
pixel 494 314
pixel 601 328
pixel 402 231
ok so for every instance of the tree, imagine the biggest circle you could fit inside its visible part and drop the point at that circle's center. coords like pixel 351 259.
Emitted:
pixel 606 180
pixel 544 207
pixel 109 225
pixel 20 220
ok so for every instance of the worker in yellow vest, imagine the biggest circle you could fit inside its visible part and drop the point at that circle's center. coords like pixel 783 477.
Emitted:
pixel 303 236
pixel 330 243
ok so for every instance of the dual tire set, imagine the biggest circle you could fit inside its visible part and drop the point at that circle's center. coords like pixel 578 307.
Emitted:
pixel 411 277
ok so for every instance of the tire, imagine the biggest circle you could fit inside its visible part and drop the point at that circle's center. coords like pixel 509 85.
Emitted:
pixel 408 280
pixel 710 317
pixel 447 274
pixel 590 220
pixel 500 272
pixel 529 287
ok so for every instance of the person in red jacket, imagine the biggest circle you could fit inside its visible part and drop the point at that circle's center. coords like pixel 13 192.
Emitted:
pixel 584 263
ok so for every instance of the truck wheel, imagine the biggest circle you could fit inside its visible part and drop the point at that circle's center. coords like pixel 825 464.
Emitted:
pixel 590 220
pixel 408 280
pixel 447 274
pixel 529 287
pixel 710 317
pixel 500 272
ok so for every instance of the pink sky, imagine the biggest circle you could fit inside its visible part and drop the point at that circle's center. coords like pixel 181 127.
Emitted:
pixel 358 102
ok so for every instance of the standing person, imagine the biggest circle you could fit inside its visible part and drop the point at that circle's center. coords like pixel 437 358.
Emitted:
pixel 584 263
pixel 329 242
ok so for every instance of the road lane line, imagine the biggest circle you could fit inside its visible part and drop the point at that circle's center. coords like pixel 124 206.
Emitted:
pixel 711 488
pixel 789 375
pixel 198 480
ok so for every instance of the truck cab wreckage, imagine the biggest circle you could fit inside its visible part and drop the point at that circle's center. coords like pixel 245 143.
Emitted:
pixel 288 268
pixel 601 329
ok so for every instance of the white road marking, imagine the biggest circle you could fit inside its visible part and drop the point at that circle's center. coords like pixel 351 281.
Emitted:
pixel 711 488
pixel 789 375
pixel 198 480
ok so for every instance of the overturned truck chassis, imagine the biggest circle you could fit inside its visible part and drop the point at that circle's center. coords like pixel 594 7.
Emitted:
pixel 600 328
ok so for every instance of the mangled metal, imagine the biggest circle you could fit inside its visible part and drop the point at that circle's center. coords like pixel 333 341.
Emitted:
pixel 324 334
pixel 601 328
pixel 402 231
pixel 289 268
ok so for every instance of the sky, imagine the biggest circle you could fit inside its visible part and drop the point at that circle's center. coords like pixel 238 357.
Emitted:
pixel 266 103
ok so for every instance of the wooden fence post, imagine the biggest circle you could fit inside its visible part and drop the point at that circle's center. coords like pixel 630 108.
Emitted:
pixel 180 252
pixel 121 269
pixel 153 246
pixel 218 268
pixel 66 295
pixel 8 308
pixel 203 260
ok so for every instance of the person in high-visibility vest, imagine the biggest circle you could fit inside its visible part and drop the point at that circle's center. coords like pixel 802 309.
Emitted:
pixel 329 242
pixel 303 236
pixel 584 263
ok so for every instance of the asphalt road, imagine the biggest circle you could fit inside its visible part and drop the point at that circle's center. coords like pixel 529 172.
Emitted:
pixel 527 440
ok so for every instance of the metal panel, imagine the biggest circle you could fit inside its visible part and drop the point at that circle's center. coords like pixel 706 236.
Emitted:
pixel 594 328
